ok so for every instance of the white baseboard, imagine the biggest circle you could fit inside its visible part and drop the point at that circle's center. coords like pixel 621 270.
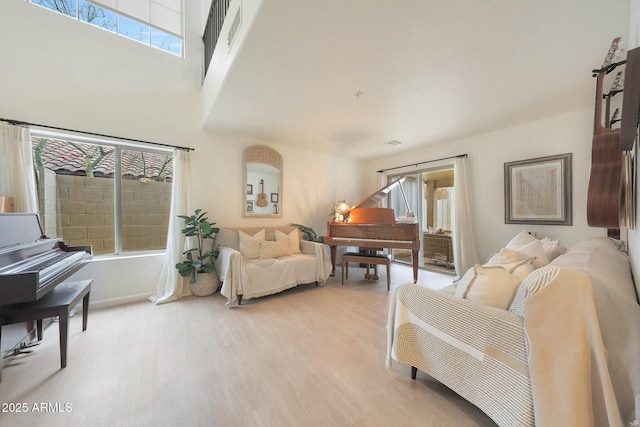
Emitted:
pixel 118 301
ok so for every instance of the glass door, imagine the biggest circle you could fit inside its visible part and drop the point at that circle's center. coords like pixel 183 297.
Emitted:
pixel 429 195
pixel 404 200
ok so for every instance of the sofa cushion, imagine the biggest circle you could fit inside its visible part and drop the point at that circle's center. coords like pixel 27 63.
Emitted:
pixel 227 237
pixel 269 249
pixel 249 244
pixel 293 239
pixel 490 285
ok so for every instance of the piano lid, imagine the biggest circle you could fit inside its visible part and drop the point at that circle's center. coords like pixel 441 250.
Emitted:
pixel 19 228
pixel 377 196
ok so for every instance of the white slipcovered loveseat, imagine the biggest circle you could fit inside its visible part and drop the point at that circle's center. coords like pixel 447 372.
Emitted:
pixel 259 261
pixel 563 349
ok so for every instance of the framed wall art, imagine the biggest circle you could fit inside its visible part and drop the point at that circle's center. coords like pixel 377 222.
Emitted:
pixel 538 191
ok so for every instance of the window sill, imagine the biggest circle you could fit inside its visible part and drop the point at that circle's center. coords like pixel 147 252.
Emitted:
pixel 127 255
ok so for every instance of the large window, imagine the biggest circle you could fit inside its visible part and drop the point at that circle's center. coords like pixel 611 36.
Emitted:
pixel 157 23
pixel 113 197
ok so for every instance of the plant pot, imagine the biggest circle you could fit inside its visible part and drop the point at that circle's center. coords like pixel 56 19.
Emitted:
pixel 206 284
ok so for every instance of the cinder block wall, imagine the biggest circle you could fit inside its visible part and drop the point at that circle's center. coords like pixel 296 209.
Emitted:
pixel 47 202
pixel 86 213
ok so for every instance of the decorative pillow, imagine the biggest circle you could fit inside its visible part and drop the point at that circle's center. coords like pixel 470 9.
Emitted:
pixel 552 248
pixel 521 239
pixel 514 262
pixel 535 249
pixel 269 249
pixel 491 285
pixel 523 269
pixel 249 245
pixel 293 238
pixel 529 246
pixel 506 256
pixel 535 281
pixel 463 283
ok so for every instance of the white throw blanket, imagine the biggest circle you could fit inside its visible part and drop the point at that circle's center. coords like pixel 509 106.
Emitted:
pixel 253 278
pixel 567 359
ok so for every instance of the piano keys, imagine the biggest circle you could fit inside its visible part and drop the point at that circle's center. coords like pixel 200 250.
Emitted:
pixel 32 264
pixel 374 228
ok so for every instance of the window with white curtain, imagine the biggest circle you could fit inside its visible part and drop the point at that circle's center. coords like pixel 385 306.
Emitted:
pixel 113 196
pixel 157 23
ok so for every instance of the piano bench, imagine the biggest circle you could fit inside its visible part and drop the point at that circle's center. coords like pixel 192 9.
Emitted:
pixel 58 302
pixel 368 260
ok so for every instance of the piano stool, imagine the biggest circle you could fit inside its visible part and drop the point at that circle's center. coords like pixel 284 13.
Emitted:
pixel 371 259
pixel 58 302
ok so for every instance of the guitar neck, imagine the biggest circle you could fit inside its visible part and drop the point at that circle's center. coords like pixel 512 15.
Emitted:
pixel 598 127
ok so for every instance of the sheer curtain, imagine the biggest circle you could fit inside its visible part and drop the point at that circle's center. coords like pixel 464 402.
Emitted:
pixel 464 246
pixel 17 177
pixel 169 286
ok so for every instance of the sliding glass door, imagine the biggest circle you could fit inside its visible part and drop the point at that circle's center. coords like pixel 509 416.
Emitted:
pixel 428 194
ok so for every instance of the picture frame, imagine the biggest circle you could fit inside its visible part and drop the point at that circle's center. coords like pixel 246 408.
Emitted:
pixel 274 197
pixel 538 191
pixel 249 206
pixel 249 189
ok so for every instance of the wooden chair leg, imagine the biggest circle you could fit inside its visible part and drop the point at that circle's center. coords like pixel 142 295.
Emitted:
pixel 388 276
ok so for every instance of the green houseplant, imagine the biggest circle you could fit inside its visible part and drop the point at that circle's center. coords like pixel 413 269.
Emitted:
pixel 197 259
pixel 308 233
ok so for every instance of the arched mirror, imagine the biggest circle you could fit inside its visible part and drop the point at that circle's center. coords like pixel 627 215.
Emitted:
pixel 262 172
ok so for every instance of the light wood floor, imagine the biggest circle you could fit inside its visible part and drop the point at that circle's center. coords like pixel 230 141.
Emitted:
pixel 311 356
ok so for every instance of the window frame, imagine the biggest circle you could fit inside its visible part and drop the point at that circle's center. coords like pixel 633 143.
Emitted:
pixel 118 146
pixel 150 27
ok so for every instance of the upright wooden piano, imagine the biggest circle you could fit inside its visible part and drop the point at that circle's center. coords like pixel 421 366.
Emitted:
pixel 371 227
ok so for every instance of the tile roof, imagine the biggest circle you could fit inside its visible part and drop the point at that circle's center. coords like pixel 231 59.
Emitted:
pixel 69 158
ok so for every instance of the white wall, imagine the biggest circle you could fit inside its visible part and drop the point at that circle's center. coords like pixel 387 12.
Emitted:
pixel 567 133
pixel 64 73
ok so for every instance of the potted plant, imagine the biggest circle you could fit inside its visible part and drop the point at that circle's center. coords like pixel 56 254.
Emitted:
pixel 198 263
pixel 308 233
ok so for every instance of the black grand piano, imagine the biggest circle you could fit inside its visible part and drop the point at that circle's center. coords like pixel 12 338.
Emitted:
pixel 31 264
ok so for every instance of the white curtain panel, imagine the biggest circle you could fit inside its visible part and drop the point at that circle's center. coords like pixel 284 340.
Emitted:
pixel 464 246
pixel 169 286
pixel 17 177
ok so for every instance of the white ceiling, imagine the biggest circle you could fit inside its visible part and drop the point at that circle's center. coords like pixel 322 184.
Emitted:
pixel 428 71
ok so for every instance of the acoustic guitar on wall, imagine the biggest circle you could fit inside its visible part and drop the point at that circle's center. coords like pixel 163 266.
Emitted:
pixel 603 194
pixel 262 198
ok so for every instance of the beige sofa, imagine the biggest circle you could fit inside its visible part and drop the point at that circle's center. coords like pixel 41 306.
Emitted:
pixel 259 261
pixel 563 350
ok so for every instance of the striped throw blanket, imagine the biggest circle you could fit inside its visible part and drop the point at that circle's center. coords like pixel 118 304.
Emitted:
pixel 476 350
